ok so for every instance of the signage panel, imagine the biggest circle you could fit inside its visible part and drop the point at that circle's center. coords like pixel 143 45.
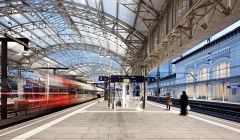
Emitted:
pixel 120 78
pixel 233 86
pixel 103 78
pixel 151 79
pixel 126 80
pixel 28 86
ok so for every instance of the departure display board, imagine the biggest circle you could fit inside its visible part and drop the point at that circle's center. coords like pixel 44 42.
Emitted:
pixel 119 78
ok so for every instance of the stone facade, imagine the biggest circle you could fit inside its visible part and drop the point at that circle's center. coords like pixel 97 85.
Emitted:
pixel 208 73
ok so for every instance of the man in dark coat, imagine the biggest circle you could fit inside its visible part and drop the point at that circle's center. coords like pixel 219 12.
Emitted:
pixel 184 103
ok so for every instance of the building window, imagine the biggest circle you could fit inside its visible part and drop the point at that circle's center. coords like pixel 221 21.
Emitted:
pixel 203 75
pixel 222 70
pixel 190 88
pixel 189 77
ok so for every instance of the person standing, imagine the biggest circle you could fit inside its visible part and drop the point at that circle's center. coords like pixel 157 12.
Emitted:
pixel 168 102
pixel 184 103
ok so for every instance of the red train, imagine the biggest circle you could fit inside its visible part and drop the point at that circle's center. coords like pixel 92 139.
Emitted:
pixel 46 91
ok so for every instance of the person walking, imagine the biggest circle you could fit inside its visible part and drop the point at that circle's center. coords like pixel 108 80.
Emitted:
pixel 184 103
pixel 168 102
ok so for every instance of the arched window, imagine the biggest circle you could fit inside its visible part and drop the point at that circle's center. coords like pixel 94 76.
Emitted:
pixel 222 70
pixel 189 79
pixel 203 75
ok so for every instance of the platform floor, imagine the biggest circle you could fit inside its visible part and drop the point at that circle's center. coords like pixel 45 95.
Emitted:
pixel 95 121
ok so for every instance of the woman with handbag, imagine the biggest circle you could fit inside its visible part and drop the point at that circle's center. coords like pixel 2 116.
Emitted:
pixel 184 103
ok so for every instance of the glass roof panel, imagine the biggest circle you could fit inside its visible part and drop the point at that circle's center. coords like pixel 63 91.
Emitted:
pixel 67 38
pixel 2 4
pixel 6 21
pixel 27 34
pixel 95 36
pixel 60 27
pixel 84 33
pixel 125 14
pixel 110 7
pixel 30 16
pixel 84 60
pixel 19 18
pixel 110 25
pixel 124 35
pixel 38 32
pixel 15 46
pixel 80 1
pixel 89 23
pixel 48 31
pixel 92 3
pixel 49 41
pixel 88 40
pixel 75 19
pixel 16 3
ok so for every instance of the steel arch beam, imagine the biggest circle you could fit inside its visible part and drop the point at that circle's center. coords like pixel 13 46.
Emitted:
pixel 85 14
pixel 75 46
pixel 40 22
pixel 28 26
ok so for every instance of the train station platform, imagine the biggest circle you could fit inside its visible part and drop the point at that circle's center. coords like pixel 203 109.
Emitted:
pixel 95 121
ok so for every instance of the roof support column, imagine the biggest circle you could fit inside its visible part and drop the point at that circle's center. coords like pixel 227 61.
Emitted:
pixel 144 73
pixel 20 84
pixel 4 85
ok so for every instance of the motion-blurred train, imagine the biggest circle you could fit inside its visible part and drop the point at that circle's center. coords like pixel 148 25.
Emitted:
pixel 48 91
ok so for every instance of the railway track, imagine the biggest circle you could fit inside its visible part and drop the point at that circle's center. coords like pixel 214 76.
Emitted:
pixel 221 110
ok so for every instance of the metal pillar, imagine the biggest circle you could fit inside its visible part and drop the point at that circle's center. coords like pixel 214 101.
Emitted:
pixel 20 84
pixel 223 92
pixel 194 91
pixel 206 91
pixel 105 91
pixel 54 71
pixel 4 88
pixel 158 84
pixel 144 87
pixel 109 93
pixel 113 95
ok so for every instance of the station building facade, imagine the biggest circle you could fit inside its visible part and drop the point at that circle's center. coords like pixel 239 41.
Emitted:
pixel 210 73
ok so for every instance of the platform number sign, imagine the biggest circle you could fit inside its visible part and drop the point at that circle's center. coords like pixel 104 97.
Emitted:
pixel 151 79
pixel 103 78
